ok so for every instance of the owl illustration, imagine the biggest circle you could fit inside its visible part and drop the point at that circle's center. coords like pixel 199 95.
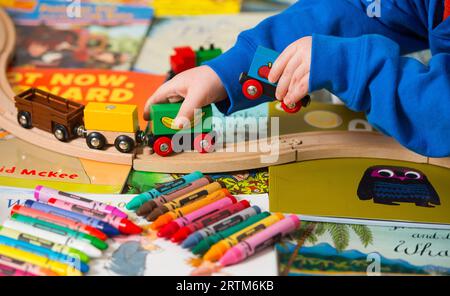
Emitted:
pixel 392 185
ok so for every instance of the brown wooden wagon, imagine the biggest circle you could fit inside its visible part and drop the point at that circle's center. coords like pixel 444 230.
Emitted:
pixel 40 109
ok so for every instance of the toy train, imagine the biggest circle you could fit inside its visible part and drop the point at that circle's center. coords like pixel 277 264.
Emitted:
pixel 105 124
pixel 186 58
pixel 255 83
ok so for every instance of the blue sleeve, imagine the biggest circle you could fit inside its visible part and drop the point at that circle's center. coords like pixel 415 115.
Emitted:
pixel 344 18
pixel 402 97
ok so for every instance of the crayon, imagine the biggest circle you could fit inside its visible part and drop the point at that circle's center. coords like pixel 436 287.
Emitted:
pixel 76 263
pixel 196 237
pixel 37 241
pixel 165 188
pixel 218 249
pixel 260 241
pixel 103 226
pixel 25 266
pixel 42 194
pixel 207 220
pixel 202 247
pixel 62 239
pixel 96 242
pixel 192 187
pixel 172 227
pixel 6 270
pixel 184 200
pixel 180 212
pixel 58 267
pixel 124 225
pixel 58 220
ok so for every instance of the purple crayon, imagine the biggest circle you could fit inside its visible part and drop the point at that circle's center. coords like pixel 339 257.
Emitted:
pixel 43 194
pixel 260 240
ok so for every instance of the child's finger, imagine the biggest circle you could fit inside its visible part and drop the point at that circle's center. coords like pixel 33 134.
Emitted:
pixel 297 91
pixel 280 63
pixel 186 112
pixel 286 77
pixel 161 95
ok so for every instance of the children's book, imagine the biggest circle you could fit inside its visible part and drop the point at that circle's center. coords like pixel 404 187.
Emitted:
pixel 266 5
pixel 245 182
pixel 349 249
pixel 194 31
pixel 25 165
pixel 363 191
pixel 147 254
pixel 79 34
pixel 83 85
pixel 319 116
pixel 164 8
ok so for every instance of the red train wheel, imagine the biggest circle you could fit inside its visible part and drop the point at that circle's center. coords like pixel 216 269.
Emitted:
pixel 291 109
pixel 163 146
pixel 204 143
pixel 252 89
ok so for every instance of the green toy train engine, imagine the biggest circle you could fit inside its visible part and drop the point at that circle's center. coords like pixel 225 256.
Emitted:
pixel 165 138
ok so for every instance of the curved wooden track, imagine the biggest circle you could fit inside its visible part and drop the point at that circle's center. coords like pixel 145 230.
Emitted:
pixel 292 148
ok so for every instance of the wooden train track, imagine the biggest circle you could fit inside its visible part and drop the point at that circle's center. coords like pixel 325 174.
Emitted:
pixel 291 148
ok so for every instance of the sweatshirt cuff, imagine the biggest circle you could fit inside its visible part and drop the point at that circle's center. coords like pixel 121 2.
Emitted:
pixel 335 66
pixel 228 67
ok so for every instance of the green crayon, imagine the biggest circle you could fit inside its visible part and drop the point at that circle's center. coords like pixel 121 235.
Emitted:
pixel 206 243
pixel 96 242
pixel 37 241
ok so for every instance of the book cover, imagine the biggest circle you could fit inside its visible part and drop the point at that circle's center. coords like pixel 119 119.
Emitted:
pixel 319 116
pixel 194 31
pixel 245 182
pixel 369 191
pixel 79 34
pixel 164 8
pixel 349 249
pixel 25 165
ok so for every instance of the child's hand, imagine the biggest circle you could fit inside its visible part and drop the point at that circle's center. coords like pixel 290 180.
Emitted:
pixel 198 86
pixel 291 70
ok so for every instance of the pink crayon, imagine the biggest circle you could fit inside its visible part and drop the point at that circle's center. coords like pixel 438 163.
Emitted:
pixel 6 270
pixel 21 268
pixel 260 240
pixel 171 228
pixel 43 194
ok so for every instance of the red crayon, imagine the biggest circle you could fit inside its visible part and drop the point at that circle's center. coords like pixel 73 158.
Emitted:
pixel 58 220
pixel 124 225
pixel 212 218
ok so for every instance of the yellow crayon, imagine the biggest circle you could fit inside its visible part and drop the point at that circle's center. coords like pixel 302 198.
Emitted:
pixel 58 267
pixel 180 212
pixel 220 248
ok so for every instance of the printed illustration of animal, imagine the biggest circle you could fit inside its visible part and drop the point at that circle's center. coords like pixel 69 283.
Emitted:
pixel 391 185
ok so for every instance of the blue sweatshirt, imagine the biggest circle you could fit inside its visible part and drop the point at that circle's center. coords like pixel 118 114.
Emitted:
pixel 359 59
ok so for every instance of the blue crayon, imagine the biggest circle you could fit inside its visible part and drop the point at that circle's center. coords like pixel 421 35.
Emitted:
pixel 22 245
pixel 165 188
pixel 103 226
pixel 193 239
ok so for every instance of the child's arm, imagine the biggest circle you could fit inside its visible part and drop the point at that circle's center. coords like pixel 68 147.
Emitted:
pixel 402 97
